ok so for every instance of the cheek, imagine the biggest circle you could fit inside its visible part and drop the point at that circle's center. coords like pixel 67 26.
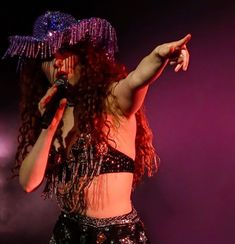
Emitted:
pixel 75 76
pixel 48 71
pixel 77 71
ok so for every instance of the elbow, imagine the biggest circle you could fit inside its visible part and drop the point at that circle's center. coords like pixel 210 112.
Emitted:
pixel 28 182
pixel 27 189
pixel 26 186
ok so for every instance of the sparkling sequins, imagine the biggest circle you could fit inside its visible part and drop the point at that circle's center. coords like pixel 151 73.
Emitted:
pixel 132 228
pixel 130 218
pixel 100 238
pixel 46 24
pixel 52 240
pixel 126 240
pixel 54 29
pixel 116 161
pixel 75 228
pixel 143 237
pixel 106 229
pixel 84 228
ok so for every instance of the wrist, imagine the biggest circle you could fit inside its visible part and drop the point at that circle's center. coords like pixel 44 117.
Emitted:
pixel 158 56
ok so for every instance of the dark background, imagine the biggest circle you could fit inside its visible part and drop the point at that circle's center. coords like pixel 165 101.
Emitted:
pixel 192 198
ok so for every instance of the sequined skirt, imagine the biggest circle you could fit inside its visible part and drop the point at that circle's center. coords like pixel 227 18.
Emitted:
pixel 79 229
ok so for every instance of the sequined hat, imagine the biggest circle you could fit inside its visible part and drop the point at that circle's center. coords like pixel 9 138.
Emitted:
pixel 55 29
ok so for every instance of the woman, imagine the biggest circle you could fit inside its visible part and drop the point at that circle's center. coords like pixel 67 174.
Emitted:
pixel 98 144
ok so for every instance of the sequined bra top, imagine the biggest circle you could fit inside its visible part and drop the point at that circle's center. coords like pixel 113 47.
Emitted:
pixel 113 161
pixel 82 161
pixel 67 179
pixel 116 161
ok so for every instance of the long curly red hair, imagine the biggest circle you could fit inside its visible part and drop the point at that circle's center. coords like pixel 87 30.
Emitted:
pixel 97 75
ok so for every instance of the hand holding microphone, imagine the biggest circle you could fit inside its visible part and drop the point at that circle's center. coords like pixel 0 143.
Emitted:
pixel 53 100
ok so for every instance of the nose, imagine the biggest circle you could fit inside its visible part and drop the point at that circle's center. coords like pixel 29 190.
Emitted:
pixel 58 63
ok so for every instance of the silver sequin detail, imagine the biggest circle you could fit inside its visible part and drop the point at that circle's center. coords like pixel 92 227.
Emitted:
pixel 126 240
pixel 130 218
pixel 143 237
pixel 52 240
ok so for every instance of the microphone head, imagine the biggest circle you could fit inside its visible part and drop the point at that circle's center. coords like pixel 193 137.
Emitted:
pixel 62 80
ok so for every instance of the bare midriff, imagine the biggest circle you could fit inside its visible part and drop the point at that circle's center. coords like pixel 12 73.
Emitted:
pixel 109 195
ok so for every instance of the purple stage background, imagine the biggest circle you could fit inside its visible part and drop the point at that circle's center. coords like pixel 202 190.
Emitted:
pixel 191 200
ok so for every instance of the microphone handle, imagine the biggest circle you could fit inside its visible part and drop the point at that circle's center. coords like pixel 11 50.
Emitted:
pixel 53 104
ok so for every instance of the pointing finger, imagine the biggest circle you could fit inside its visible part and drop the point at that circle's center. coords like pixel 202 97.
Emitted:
pixel 178 67
pixel 182 41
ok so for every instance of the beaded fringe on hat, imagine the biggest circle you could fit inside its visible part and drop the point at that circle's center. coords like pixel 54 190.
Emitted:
pixel 98 31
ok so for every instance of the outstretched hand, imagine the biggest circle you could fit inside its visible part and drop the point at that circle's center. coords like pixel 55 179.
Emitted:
pixel 175 52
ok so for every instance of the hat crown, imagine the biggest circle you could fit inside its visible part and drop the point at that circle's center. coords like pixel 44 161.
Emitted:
pixel 50 22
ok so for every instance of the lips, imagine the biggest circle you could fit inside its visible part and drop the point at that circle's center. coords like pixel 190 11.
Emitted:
pixel 61 73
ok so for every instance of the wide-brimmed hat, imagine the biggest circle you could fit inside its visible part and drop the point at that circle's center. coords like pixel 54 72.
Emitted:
pixel 55 29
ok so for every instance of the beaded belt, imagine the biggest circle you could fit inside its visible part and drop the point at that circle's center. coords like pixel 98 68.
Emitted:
pixel 131 217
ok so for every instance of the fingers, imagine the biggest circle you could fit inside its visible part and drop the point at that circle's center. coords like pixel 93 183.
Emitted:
pixel 182 41
pixel 59 113
pixel 178 67
pixel 175 52
pixel 186 59
pixel 44 101
pixel 182 61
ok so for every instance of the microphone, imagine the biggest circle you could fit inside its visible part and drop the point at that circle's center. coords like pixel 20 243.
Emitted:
pixel 52 106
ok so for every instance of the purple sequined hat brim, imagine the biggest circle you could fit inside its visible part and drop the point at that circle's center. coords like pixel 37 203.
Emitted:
pixel 97 31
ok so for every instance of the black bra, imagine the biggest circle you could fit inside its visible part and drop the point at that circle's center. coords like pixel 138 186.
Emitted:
pixel 113 161
pixel 116 161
